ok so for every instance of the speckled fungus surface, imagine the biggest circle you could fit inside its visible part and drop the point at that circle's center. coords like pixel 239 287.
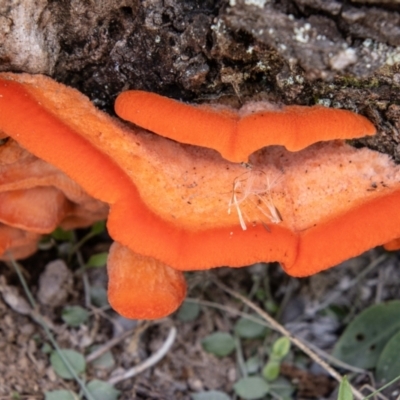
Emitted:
pixel 189 209
pixel 235 134
pixel 129 272
pixel 19 243
pixel 392 245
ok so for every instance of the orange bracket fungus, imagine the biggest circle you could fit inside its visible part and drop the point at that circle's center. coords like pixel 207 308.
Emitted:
pixel 129 273
pixel 235 134
pixel 35 198
pixel 392 245
pixel 176 207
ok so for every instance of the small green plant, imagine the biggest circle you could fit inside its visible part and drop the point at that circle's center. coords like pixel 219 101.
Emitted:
pixel 345 392
pixel 61 368
pixel 256 381
pixel 220 344
pixel 255 385
pixel 68 363
pixel 371 340
pixel 280 350
pixel 74 316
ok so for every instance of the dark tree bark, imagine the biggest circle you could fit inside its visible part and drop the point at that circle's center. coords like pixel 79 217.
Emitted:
pixel 341 54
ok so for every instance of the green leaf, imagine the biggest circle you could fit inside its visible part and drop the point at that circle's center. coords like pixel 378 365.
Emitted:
pixel 252 365
pixel 60 395
pixel 345 392
pixel 98 227
pixel 46 348
pixel 250 388
pixel 60 234
pixel 220 344
pixel 282 388
pixel 101 390
pixel 98 260
pixel 98 296
pixel 210 395
pixel 280 348
pixel 270 306
pixel 271 370
pixel 105 361
pixel 76 360
pixel 74 315
pixel 247 329
pixel 388 366
pixel 365 337
pixel 188 311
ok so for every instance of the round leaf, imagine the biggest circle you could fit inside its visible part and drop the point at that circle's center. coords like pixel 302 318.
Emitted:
pixel 281 348
pixel 388 366
pixel 60 234
pixel 101 390
pixel 220 344
pixel 252 365
pixel 248 329
pixel 251 388
pixel 365 337
pixel 210 395
pixel 98 260
pixel 74 315
pixel 282 388
pixel 60 395
pixel 188 312
pixel 46 348
pixel 98 227
pixel 271 370
pixel 105 361
pixel 98 296
pixel 76 360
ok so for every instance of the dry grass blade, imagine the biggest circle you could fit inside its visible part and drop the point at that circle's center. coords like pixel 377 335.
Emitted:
pixel 50 336
pixel 278 327
pixel 110 344
pixel 152 360
pixel 257 320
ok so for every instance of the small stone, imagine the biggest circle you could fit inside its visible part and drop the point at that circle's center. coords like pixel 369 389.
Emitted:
pixel 195 384
pixel 54 284
pixel 13 299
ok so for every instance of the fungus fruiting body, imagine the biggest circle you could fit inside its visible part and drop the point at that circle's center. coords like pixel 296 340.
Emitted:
pixel 188 208
pixel 18 242
pixel 237 134
pixel 128 272
pixel 35 198
pixel 392 245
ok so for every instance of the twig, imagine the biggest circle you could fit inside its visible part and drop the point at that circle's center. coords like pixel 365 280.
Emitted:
pixel 240 358
pixel 152 360
pixel 334 360
pixel 320 352
pixel 337 293
pixel 281 329
pixel 140 328
pixel 76 246
pixel 231 310
pixel 374 393
pixel 103 349
pixel 383 387
pixel 85 278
